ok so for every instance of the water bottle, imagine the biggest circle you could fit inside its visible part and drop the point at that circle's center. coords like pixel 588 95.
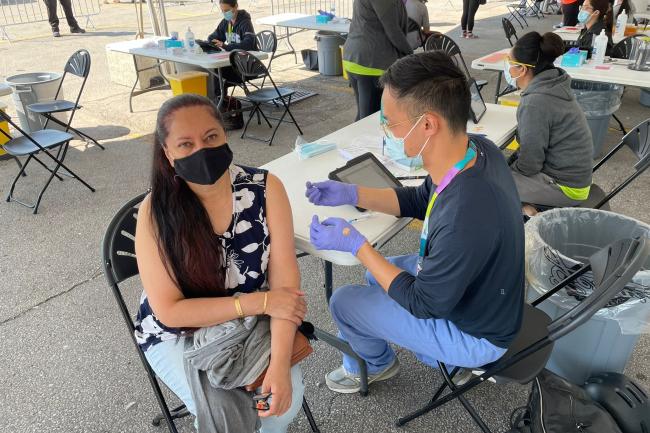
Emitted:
pixel 621 22
pixel 189 41
pixel 600 46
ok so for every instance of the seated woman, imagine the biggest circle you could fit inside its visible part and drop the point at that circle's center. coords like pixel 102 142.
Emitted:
pixel 554 163
pixel 234 32
pixel 596 16
pixel 203 234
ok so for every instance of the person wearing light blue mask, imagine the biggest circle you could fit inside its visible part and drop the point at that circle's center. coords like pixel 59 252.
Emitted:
pixel 595 15
pixel 235 31
pixel 394 146
pixel 553 164
pixel 460 298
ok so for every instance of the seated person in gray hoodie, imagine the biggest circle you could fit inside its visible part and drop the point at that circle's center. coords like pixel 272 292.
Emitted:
pixel 554 162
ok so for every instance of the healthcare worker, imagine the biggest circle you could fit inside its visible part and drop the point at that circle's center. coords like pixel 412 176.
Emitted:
pixel 460 299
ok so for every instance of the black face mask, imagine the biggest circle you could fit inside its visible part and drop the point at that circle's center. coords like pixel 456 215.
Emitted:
pixel 205 166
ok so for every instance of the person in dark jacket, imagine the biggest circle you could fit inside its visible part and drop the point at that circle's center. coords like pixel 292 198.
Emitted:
pixel 554 163
pixel 235 31
pixel 596 15
pixel 377 38
pixel 460 300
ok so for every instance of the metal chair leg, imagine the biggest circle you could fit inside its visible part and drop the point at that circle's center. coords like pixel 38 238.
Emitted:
pixel 620 124
pixel 20 172
pixel 310 417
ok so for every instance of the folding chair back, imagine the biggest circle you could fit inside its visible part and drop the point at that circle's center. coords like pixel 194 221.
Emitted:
pixel 623 48
pixel 118 252
pixel 509 30
pixel 79 65
pixel 638 141
pixel 267 42
pixel 247 65
pixel 438 41
pixel 119 260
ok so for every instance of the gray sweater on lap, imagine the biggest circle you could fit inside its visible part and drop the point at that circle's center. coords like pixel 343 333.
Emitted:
pixel 553 133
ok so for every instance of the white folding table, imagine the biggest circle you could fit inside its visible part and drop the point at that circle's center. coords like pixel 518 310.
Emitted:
pixel 302 22
pixel 615 72
pixel 570 34
pixel 209 62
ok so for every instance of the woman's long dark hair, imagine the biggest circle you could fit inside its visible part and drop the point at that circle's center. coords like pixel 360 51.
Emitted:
pixel 605 9
pixel 191 252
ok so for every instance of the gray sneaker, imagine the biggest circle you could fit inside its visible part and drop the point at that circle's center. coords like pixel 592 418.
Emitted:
pixel 343 382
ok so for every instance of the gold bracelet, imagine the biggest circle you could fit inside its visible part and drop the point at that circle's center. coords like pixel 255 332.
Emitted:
pixel 240 313
pixel 266 298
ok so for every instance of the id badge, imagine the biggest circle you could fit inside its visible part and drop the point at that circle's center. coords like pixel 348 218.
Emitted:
pixel 418 268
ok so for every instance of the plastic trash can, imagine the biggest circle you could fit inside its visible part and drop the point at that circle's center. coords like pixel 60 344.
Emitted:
pixel 598 101
pixel 189 82
pixel 35 87
pixel 644 97
pixel 557 241
pixel 329 53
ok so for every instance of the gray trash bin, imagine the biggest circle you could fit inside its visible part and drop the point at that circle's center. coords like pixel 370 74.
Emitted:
pixel 556 242
pixel 35 87
pixel 644 97
pixel 598 101
pixel 329 52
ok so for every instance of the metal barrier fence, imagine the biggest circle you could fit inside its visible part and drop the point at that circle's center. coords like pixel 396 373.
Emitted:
pixel 311 7
pixel 15 12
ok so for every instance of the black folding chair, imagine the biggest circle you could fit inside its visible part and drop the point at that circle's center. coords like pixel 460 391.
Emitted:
pixel 30 145
pixel 118 254
pixel 515 10
pixel 439 41
pixel 612 268
pixel 509 30
pixel 79 65
pixel 623 48
pixel 267 42
pixel 250 67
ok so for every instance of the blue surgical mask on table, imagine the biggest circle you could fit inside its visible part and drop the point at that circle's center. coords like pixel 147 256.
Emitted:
pixel 583 16
pixel 228 15
pixel 308 150
pixel 394 148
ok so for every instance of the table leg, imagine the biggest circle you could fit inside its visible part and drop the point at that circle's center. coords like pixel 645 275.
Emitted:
pixel 328 281
pixel 222 89
pixel 496 93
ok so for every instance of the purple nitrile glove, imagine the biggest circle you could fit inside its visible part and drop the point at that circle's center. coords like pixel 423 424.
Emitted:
pixel 332 193
pixel 335 234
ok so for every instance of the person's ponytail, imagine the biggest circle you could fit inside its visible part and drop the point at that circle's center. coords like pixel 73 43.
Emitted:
pixel 538 50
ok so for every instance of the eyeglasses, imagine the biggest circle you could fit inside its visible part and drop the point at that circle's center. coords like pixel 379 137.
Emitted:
pixel 387 127
pixel 516 63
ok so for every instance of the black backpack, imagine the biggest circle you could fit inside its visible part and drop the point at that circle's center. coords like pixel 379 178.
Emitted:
pixel 558 406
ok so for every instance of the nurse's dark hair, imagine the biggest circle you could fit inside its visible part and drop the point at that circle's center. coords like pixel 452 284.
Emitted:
pixel 538 50
pixel 231 3
pixel 188 247
pixel 604 7
pixel 431 81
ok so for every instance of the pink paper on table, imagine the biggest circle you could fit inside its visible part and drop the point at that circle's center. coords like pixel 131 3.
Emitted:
pixel 495 57
pixel 219 55
pixel 603 67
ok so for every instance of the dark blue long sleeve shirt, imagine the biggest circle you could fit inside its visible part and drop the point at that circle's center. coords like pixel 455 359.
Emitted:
pixel 473 269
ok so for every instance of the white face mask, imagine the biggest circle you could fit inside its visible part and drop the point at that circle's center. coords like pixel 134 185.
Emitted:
pixel 509 78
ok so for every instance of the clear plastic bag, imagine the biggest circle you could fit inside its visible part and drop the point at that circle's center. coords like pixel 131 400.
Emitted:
pixel 560 240
pixel 597 99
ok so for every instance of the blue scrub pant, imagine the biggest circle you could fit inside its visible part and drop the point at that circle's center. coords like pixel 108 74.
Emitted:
pixel 369 319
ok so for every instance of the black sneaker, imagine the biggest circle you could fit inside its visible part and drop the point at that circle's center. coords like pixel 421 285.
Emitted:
pixel 77 30
pixel 56 34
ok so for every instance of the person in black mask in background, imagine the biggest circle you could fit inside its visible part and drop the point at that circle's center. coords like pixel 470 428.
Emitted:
pixel 203 234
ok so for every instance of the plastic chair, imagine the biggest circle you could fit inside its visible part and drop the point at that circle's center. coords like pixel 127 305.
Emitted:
pixel 30 145
pixel 514 9
pixel 622 49
pixel 509 30
pixel 638 141
pixel 438 41
pixel 250 67
pixel 118 254
pixel 79 65
pixel 612 268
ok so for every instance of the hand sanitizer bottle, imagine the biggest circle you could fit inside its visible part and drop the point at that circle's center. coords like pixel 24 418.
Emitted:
pixel 189 41
pixel 600 46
